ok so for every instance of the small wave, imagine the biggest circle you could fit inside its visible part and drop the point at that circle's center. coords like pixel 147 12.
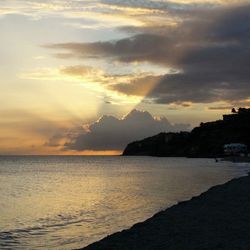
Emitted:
pixel 44 227
pixel 12 236
pixel 7 239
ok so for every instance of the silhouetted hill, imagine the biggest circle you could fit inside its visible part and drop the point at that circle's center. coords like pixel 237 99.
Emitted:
pixel 207 140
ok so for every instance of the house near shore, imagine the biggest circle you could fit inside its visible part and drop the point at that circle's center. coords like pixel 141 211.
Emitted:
pixel 235 149
pixel 243 115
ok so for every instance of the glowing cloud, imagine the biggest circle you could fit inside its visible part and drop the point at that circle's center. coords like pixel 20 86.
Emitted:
pixel 111 133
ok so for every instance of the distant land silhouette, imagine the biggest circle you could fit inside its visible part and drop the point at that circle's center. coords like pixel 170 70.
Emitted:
pixel 207 140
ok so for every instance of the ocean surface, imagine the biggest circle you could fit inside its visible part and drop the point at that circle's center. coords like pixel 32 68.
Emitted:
pixel 67 202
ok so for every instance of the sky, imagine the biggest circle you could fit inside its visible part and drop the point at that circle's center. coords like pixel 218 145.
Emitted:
pixel 88 77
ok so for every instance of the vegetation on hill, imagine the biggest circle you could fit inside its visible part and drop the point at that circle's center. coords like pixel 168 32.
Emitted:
pixel 207 140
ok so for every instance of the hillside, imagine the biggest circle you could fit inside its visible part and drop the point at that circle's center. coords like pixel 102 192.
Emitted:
pixel 207 140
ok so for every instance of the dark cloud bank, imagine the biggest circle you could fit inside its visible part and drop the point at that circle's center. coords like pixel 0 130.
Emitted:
pixel 111 133
pixel 209 50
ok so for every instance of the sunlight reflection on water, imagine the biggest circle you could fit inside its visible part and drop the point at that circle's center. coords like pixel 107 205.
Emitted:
pixel 68 202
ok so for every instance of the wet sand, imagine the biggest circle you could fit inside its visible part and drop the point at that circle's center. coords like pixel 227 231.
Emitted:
pixel 217 219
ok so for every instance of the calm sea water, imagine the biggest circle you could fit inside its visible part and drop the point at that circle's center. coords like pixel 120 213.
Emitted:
pixel 68 202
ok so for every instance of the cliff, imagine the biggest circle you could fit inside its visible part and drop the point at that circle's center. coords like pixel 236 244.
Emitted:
pixel 207 140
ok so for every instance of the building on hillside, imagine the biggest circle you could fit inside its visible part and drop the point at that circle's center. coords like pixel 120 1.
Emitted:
pixel 235 149
pixel 241 114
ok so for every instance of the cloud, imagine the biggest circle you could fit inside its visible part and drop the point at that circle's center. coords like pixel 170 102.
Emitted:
pixel 209 51
pixel 140 86
pixel 79 73
pixel 78 13
pixel 133 49
pixel 178 4
pixel 116 86
pixel 57 140
pixel 98 14
pixel 154 5
pixel 27 133
pixel 111 133
pixel 221 108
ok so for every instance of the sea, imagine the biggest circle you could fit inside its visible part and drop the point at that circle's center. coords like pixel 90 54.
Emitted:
pixel 68 202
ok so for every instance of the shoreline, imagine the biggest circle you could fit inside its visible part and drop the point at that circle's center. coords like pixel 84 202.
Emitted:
pixel 217 219
pixel 237 159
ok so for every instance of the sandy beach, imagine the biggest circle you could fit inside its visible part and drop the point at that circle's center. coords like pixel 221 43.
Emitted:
pixel 217 219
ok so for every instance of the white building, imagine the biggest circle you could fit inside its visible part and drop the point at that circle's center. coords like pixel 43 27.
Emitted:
pixel 235 148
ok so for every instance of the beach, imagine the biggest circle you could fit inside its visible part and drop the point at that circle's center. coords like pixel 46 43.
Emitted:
pixel 217 219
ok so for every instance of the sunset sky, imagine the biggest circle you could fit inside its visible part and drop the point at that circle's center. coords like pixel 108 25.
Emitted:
pixel 87 77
